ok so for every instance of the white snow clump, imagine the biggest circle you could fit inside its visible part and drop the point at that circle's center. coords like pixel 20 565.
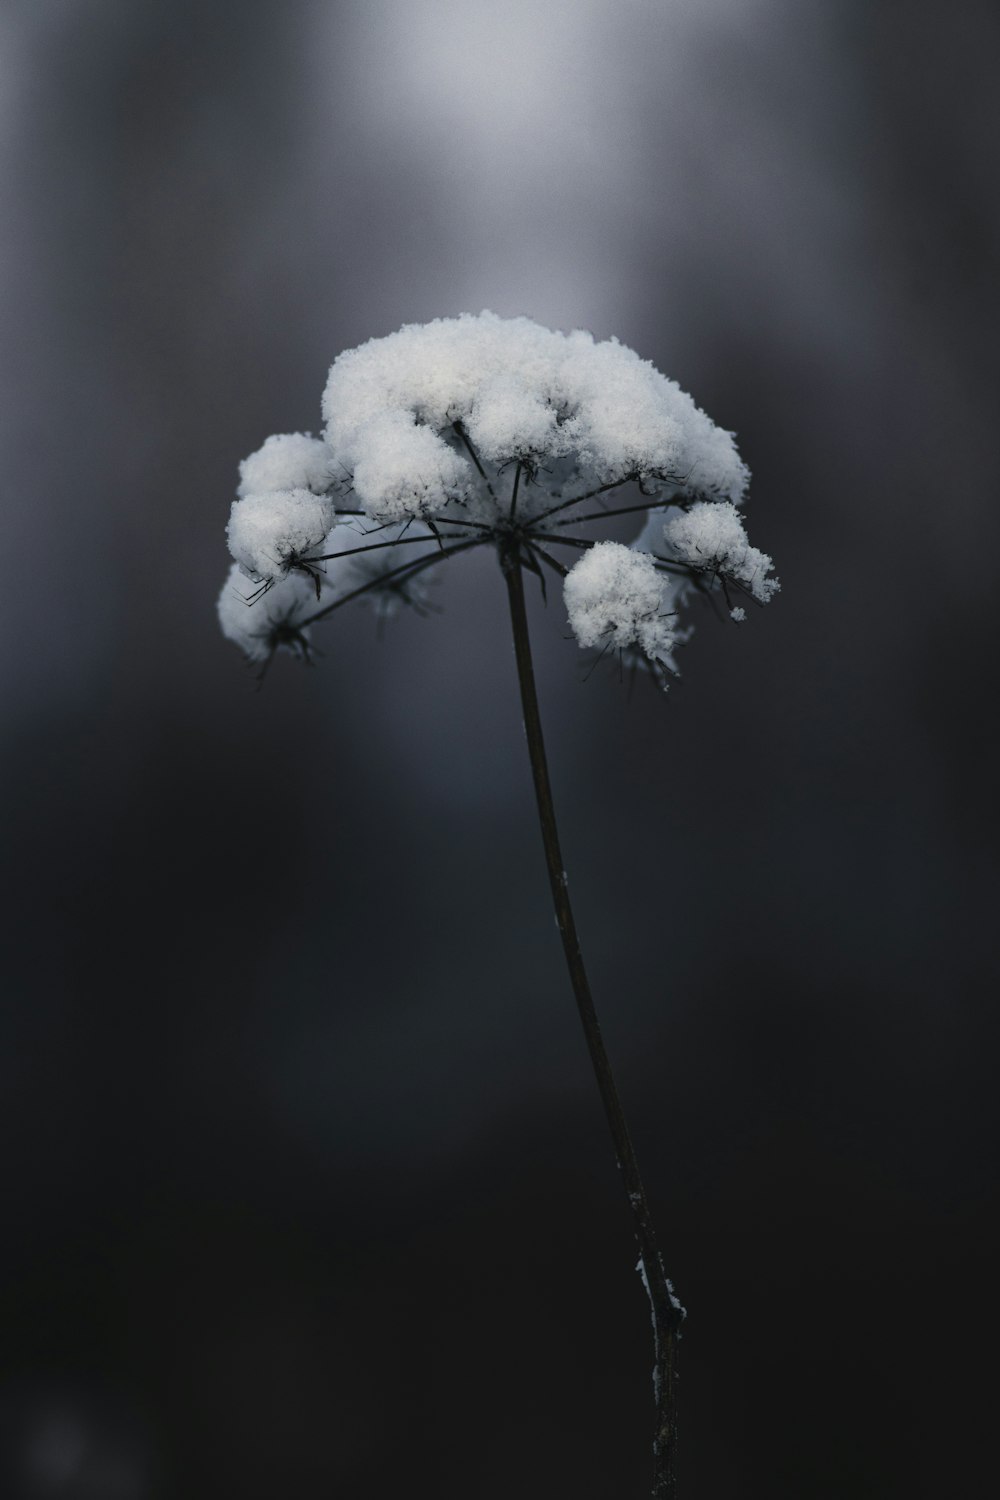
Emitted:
pixel 616 599
pixel 288 461
pixel 711 537
pixel 404 470
pixel 270 532
pixel 397 407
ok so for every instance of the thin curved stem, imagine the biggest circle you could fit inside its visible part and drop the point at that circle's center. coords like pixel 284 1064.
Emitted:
pixel 563 541
pixel 619 510
pixel 459 427
pixel 450 520
pixel 408 569
pixel 399 541
pixel 602 489
pixel 666 1310
pixel 661 564
pixel 547 557
pixel 513 498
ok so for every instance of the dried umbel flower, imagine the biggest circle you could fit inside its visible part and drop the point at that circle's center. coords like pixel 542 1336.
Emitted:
pixel 478 432
pixel 484 431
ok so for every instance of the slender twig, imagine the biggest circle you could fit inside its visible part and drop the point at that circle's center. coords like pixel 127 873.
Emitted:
pixel 435 534
pixel 562 541
pixel 450 520
pixel 666 1311
pixel 547 557
pixel 696 575
pixel 460 429
pixel 400 541
pixel 601 489
pixel 409 569
pixel 704 577
pixel 513 498
pixel 620 510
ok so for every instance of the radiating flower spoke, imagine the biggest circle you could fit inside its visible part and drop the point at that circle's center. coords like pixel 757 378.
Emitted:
pixel 407 570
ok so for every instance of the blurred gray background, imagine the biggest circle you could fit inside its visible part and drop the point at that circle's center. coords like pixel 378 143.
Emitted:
pixel 305 1181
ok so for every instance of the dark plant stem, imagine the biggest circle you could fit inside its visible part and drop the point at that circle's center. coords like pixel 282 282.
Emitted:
pixel 666 1311
pixel 513 498
pixel 460 429
pixel 400 541
pixel 621 510
pixel 602 489
pixel 405 571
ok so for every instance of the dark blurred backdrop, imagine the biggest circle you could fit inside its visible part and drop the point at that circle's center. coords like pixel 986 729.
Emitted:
pixel 305 1182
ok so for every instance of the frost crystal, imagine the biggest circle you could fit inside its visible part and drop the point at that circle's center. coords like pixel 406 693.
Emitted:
pixel 712 537
pixel 485 431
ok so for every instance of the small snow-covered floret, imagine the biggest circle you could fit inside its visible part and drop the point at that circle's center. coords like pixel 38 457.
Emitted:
pixel 711 537
pixel 616 598
pixel 629 420
pixel 403 470
pixel 269 533
pixel 262 624
pixel 510 420
pixel 288 461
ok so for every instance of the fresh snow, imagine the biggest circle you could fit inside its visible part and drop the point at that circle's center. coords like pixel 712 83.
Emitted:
pixel 712 537
pixel 270 532
pixel 520 391
pixel 288 461
pixel 616 598
pixel 493 430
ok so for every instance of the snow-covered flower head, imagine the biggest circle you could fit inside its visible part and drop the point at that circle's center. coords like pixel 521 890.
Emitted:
pixel 617 599
pixel 519 392
pixel 711 538
pixel 261 623
pixel 273 531
pixel 475 431
pixel 288 461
